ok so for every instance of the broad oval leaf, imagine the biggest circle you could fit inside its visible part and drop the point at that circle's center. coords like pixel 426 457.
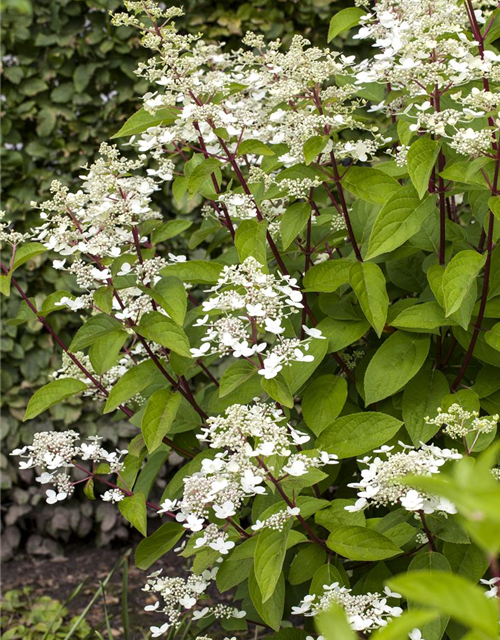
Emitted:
pixel 269 557
pixel 422 396
pixel 421 158
pixel 394 364
pixel 452 595
pixel 293 222
pixel 51 394
pixel 93 329
pixel 370 184
pixel 368 283
pixel 459 276
pixel 344 20
pixel 323 401
pixel 133 381
pixel 328 276
pixel 399 219
pixel 360 543
pixel 157 327
pixel 158 417
pixel 235 375
pixel 156 545
pixel 358 433
pixel 133 509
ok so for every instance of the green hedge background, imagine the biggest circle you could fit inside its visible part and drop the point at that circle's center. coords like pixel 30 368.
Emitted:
pixel 67 85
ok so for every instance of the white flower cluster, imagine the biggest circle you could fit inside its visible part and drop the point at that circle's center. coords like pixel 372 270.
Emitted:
pixel 55 452
pixel 9 235
pixel 69 369
pixel 276 521
pixel 247 435
pixel 97 220
pixel 253 303
pixel 423 45
pixel 364 612
pixel 264 94
pixel 180 595
pixel 459 422
pixel 379 483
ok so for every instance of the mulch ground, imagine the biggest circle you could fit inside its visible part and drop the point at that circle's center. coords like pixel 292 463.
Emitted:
pixel 58 577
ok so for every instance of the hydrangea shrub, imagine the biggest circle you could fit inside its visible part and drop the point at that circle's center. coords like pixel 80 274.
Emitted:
pixel 313 332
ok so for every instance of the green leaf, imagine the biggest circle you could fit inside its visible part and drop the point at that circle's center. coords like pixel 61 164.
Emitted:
pixel 328 276
pixel 51 394
pixel 254 147
pixel 399 219
pixel 451 594
pixel 323 400
pixel 297 373
pixel 335 515
pixel 360 543
pixel 49 304
pixel 466 559
pixel 494 205
pixel 399 628
pixel 201 173
pixel 293 222
pixel 250 240
pixel 5 285
pixel 105 351
pixel 271 611
pixel 103 298
pixel 421 158
pixel 327 574
pixel 333 624
pixel 459 276
pixel 422 396
pixel 313 147
pixel 194 271
pixel 27 252
pixel 94 328
pixel 82 75
pixel 305 564
pixel 132 382
pixel 157 327
pixel 169 292
pixel 153 548
pixel 277 389
pixel 343 21
pixel 269 557
pixel 368 283
pixel 88 489
pixel 492 336
pixel 370 184
pixel 142 121
pixel 422 318
pixel 158 416
pixel 235 375
pixel 394 364
pixel 169 230
pixel 357 433
pixel 342 333
pixel 133 509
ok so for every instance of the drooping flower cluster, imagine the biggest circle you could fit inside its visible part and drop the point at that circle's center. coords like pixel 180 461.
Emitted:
pixel 364 612
pixel 253 302
pixel 56 451
pixel 459 422
pixel 379 484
